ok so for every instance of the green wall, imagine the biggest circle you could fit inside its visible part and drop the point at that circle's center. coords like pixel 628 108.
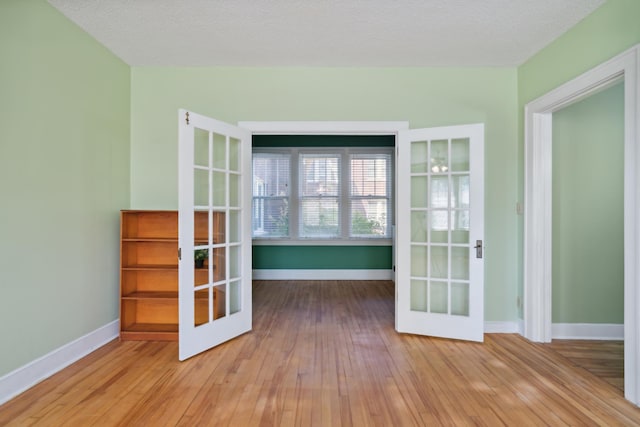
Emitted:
pixel 64 174
pixel 422 96
pixel 610 30
pixel 588 231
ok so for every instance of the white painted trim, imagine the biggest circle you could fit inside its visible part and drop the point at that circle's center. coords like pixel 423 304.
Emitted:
pixel 495 327
pixel 21 379
pixel 537 228
pixel 537 219
pixel 587 331
pixel 325 128
pixel 322 274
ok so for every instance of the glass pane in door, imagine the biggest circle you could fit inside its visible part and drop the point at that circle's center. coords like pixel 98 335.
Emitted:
pixel 234 190
pixel 439 262
pixel 419 220
pixel 460 262
pixel 439 158
pixel 210 194
pixel 439 226
pixel 460 226
pixel 201 147
pixel 219 266
pixel 234 154
pixel 200 227
pixel 219 184
pixel 234 262
pixel 438 297
pixel 419 157
pixel 201 187
pixel 440 206
pixel 419 260
pixel 234 297
pixel 460 299
pixel 419 195
pixel 419 295
pixel 220 302
pixel 234 227
pixel 219 151
pixel 460 155
pixel 201 307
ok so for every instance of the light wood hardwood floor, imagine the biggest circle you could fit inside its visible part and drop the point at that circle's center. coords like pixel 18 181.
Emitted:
pixel 605 359
pixel 325 354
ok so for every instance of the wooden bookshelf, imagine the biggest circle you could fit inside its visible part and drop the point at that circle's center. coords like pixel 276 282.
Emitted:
pixel 149 275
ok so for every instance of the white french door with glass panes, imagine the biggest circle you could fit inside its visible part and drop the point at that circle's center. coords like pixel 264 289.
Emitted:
pixel 440 227
pixel 214 232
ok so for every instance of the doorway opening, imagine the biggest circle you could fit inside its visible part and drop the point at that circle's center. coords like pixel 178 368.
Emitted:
pixel 323 202
pixel 267 130
pixel 587 215
pixel 538 204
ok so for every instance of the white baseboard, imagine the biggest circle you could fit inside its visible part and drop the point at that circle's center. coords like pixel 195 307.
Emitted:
pixel 492 327
pixel 25 377
pixel 323 274
pixel 587 331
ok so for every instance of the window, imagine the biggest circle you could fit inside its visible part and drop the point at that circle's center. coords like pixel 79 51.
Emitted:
pixel 370 195
pixel 322 194
pixel 271 184
pixel 319 195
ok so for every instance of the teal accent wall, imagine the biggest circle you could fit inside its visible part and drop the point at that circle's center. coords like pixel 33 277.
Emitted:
pixel 261 141
pixel 64 175
pixel 588 210
pixel 322 257
pixel 422 96
pixel 610 30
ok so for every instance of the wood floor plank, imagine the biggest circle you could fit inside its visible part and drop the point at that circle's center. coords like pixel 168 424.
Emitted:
pixel 325 353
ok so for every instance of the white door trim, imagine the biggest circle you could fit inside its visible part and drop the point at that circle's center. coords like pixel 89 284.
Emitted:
pixel 537 220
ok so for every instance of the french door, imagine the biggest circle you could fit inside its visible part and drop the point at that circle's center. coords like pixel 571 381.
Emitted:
pixel 214 218
pixel 439 226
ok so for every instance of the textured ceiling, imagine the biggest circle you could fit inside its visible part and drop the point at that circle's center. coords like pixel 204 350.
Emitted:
pixel 325 32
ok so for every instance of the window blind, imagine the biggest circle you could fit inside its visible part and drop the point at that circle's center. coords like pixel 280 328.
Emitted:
pixel 271 194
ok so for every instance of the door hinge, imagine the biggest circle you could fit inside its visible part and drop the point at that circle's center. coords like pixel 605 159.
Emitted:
pixel 179 254
pixel 187 117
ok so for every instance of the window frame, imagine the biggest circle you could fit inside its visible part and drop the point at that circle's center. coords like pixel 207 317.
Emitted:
pixel 344 237
pixel 264 197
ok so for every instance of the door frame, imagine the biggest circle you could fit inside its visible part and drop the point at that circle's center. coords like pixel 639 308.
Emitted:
pixel 538 191
pixel 334 128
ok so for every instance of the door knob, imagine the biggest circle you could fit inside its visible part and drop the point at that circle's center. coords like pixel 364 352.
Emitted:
pixel 478 248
